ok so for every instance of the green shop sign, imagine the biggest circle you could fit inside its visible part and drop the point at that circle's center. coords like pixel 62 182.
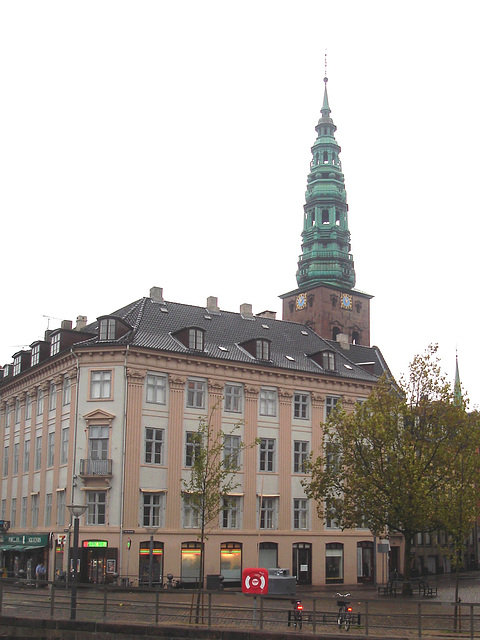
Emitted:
pixel 95 544
pixel 12 542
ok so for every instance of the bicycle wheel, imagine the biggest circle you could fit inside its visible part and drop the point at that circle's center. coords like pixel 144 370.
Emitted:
pixel 347 622
pixel 340 620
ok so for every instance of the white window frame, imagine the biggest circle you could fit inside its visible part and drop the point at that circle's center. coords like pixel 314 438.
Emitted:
pixel 231 449
pixel 13 513
pixel 191 447
pixel 191 515
pixel 67 391
pixel 64 445
pixel 40 401
pixel 267 455
pixel 28 406
pixel 55 344
pixel 300 513
pixel 96 513
pixel 34 507
pixel 6 451
pixel 38 453
pixel 233 398
pixel 268 402
pixel 156 389
pixel 301 405
pixel 26 456
pixel 23 512
pixel 101 384
pixel 196 392
pixel 61 505
pixel 230 516
pixel 300 455
pixel 51 449
pixel 154 445
pixel 52 397
pixel 16 453
pixel 268 512
pixel 152 508
pixel 107 329
pixel 330 404
pixel 48 510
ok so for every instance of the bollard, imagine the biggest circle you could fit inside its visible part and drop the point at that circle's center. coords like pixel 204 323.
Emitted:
pixel 52 600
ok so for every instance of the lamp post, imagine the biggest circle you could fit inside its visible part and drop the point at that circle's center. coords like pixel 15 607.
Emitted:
pixel 152 531
pixel 76 510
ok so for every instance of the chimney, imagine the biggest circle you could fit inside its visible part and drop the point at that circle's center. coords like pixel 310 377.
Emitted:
pixel 271 315
pixel 66 324
pixel 156 294
pixel 48 332
pixel 81 323
pixel 342 338
pixel 212 303
pixel 246 310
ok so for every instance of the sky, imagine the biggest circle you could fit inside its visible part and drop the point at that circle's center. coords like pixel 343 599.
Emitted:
pixel 154 143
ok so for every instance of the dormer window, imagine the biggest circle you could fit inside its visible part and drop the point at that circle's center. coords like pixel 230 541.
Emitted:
pixel 195 339
pixel 17 365
pixel 55 344
pixel 107 329
pixel 262 349
pixel 35 355
pixel 328 360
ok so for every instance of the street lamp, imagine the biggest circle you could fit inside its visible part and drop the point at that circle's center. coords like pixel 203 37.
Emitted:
pixel 152 531
pixel 76 510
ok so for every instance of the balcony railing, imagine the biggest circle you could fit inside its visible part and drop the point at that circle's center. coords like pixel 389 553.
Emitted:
pixel 91 467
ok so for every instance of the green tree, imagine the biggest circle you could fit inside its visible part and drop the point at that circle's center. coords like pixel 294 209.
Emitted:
pixel 212 477
pixel 384 465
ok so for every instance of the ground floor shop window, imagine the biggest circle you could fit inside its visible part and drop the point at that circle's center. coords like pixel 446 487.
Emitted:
pixel 268 555
pixel 231 561
pixel 365 561
pixel 156 558
pixel 334 562
pixel 191 559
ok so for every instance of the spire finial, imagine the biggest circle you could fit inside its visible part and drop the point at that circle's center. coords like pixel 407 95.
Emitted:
pixel 325 78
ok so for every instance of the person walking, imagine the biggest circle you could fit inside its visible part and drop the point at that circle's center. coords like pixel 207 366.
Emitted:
pixel 40 573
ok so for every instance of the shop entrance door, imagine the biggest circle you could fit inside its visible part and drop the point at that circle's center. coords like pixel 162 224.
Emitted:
pixel 302 562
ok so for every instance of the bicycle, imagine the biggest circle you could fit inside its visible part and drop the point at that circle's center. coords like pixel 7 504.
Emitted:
pixel 295 616
pixel 344 618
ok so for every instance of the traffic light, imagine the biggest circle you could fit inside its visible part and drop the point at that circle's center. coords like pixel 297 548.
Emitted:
pixel 129 543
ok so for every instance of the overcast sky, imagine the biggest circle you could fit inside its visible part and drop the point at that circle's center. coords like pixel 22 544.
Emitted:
pixel 168 144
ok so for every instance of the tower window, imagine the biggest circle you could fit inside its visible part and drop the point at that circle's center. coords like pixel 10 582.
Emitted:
pixel 313 218
pixel 337 219
pixel 325 216
pixel 335 333
pixel 355 337
pixel 325 157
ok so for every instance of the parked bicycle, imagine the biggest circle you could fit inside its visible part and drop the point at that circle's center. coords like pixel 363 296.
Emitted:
pixel 295 616
pixel 344 619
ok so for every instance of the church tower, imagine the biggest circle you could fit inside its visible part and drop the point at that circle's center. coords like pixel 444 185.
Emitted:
pixel 326 299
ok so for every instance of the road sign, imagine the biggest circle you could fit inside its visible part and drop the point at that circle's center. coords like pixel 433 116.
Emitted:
pixel 255 581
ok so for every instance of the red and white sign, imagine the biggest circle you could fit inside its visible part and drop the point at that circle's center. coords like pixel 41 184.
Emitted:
pixel 255 581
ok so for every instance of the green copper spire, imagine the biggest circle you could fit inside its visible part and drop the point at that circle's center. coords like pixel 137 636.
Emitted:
pixel 457 391
pixel 326 257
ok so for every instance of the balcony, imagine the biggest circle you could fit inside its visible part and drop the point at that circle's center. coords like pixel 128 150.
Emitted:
pixel 92 467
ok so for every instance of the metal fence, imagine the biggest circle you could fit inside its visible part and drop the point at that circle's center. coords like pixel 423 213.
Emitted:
pixel 374 617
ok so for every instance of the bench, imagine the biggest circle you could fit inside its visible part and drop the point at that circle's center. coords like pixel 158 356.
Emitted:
pixel 429 592
pixel 389 589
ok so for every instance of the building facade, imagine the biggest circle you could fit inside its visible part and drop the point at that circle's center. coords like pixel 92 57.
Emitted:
pixel 102 414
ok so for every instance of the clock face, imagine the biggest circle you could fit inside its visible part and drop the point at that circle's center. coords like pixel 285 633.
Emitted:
pixel 301 301
pixel 346 301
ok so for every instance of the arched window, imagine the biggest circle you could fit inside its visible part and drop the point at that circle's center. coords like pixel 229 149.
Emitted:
pixel 355 337
pixel 325 216
pixel 325 157
pixel 334 562
pixel 231 562
pixel 335 332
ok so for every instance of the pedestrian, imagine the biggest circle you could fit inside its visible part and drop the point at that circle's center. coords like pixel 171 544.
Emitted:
pixel 40 573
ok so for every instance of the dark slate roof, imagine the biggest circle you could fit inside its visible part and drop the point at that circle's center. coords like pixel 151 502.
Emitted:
pixel 154 325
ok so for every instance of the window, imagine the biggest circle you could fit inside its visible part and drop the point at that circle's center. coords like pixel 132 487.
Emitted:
pixel 156 389
pixel 267 454
pixel 152 508
pixel 153 445
pixel 17 411
pixel 107 329
pixel 334 562
pixel 52 400
pixel 300 513
pixel 3 510
pixel 67 391
pixel 328 360
pixel 48 510
pixel 16 450
pixel 196 394
pixel 35 355
pixel 230 515
pixel 7 415
pixel 50 449
pixel 100 384
pixel 191 516
pixel 23 512
pixel 34 507
pixel 231 450
pixel 13 513
pixel 26 456
pixel 64 447
pixel 262 349
pixel 268 512
pixel 330 522
pixel 192 447
pixel 301 405
pixel 195 339
pixel 96 507
pixel 268 402
pixel 233 398
pixel 17 365
pixel 300 456
pixel 55 344
pixel 61 508
pixel 28 406
pixel 98 442
pixel 40 402
pixel 330 404
pixel 38 452
pixel 5 461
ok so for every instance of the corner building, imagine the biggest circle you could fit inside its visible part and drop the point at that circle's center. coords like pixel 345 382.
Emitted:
pixel 103 414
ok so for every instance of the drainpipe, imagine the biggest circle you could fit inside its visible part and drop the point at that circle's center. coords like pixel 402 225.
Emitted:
pixel 74 464
pixel 122 486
